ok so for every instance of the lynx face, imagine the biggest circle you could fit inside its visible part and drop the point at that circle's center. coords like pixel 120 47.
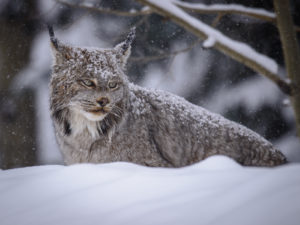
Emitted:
pixel 97 97
pixel 90 82
pixel 89 85
pixel 99 85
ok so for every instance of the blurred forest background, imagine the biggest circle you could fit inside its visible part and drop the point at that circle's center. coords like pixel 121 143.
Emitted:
pixel 164 56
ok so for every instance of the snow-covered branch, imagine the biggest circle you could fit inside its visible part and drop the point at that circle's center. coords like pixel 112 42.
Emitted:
pixel 237 50
pixel 91 7
pixel 227 9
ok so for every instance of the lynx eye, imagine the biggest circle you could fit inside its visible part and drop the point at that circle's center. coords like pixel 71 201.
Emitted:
pixel 112 85
pixel 88 83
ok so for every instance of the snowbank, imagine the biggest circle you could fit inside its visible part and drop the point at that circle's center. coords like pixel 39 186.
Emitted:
pixel 215 191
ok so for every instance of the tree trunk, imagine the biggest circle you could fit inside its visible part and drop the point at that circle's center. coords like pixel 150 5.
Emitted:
pixel 17 125
pixel 291 53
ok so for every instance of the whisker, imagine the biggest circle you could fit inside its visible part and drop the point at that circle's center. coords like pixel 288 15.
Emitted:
pixel 87 104
pixel 115 114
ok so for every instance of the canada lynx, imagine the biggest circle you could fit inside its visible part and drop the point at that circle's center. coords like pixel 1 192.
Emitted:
pixel 99 116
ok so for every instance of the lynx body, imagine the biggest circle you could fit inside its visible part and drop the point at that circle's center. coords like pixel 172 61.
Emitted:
pixel 99 116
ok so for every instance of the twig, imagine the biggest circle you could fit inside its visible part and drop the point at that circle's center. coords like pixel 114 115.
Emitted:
pixel 217 19
pixel 137 24
pixel 93 8
pixel 170 64
pixel 145 59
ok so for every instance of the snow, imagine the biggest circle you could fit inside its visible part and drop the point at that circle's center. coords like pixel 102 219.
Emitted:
pixel 209 42
pixel 239 47
pixel 214 191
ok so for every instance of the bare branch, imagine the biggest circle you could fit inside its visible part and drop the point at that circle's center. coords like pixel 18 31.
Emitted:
pixel 236 50
pixel 217 19
pixel 145 59
pixel 227 9
pixel 90 7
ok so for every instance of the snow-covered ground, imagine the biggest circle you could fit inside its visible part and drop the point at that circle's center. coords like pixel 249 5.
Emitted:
pixel 214 191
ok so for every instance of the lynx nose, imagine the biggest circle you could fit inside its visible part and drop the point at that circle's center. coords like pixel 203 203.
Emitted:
pixel 103 101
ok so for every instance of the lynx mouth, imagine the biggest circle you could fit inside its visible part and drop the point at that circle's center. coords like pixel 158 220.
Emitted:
pixel 96 114
pixel 98 111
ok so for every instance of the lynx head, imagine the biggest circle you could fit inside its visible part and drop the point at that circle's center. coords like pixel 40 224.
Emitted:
pixel 89 81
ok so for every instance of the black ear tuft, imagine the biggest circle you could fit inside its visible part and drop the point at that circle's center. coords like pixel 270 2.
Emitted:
pixel 53 39
pixel 129 39
pixel 124 48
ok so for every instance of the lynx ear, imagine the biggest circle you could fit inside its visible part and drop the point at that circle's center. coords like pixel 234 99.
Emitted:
pixel 124 48
pixel 60 51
